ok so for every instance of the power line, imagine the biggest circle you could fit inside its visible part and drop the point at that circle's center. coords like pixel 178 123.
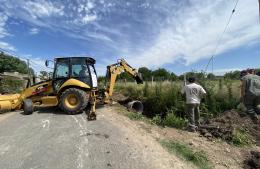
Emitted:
pixel 221 36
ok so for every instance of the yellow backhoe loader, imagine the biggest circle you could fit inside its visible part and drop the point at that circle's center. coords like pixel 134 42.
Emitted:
pixel 73 87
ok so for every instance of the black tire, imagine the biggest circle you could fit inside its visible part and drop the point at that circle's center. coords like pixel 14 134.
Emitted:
pixel 28 107
pixel 82 101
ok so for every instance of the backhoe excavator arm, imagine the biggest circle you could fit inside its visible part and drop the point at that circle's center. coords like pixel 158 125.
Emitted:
pixel 113 71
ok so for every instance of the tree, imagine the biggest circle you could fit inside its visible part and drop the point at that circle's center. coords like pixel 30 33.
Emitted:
pixel 197 75
pixel 146 73
pixel 13 64
pixel 161 74
pixel 232 75
pixel 173 76
pixel 211 76
pixel 44 75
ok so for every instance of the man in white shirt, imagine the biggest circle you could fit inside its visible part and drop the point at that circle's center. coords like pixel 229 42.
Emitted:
pixel 194 93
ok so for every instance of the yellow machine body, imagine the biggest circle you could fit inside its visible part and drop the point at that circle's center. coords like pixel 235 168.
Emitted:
pixel 8 102
pixel 74 82
pixel 73 87
pixel 41 95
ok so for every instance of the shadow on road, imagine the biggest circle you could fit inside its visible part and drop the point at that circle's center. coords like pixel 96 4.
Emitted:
pixel 55 110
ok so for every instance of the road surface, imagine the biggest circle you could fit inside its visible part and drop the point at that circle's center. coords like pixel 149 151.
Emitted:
pixel 49 139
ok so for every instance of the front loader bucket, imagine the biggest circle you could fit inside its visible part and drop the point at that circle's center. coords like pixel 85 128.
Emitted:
pixel 8 102
pixel 139 78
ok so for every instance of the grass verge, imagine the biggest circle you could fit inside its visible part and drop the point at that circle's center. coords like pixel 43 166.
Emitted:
pixel 198 158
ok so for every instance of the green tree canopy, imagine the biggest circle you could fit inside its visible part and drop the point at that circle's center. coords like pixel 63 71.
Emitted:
pixel 232 75
pixel 161 74
pixel 146 73
pixel 12 64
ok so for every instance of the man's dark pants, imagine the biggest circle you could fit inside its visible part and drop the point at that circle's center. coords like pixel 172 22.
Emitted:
pixel 193 113
pixel 251 101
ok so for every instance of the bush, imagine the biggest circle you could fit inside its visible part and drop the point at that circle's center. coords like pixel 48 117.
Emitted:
pixel 171 120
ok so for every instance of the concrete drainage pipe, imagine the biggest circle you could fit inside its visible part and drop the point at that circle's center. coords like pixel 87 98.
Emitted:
pixel 136 106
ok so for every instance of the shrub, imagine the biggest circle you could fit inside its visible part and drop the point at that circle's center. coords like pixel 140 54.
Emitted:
pixel 171 120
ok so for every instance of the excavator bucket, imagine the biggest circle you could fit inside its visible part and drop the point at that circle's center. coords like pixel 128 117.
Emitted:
pixel 139 78
pixel 7 102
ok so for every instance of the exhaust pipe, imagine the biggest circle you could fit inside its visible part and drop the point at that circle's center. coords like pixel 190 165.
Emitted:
pixel 136 105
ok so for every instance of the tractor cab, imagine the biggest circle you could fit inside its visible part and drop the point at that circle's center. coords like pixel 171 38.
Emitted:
pixel 80 68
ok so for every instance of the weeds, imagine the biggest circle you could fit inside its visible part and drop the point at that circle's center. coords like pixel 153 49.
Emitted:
pixel 172 120
pixel 241 138
pixel 135 116
pixel 198 158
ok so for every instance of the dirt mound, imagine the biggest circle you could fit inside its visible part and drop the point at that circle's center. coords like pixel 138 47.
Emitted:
pixel 253 161
pixel 120 98
pixel 225 125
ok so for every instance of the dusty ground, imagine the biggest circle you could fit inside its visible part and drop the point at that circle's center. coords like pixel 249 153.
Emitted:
pixel 221 154
pixel 50 139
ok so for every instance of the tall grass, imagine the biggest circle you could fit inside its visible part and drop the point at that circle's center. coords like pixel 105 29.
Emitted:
pixel 162 98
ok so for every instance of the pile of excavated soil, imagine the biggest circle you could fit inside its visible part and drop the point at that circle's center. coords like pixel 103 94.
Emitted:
pixel 120 98
pixel 253 161
pixel 224 126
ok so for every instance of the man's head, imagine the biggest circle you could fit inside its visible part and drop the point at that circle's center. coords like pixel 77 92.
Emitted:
pixel 84 67
pixel 191 79
pixel 251 71
pixel 243 73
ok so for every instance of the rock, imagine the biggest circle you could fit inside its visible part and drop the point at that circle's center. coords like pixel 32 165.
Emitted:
pixel 228 150
pixel 208 135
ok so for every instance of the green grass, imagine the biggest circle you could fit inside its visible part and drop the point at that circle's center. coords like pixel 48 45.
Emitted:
pixel 198 158
pixel 172 120
pixel 241 138
pixel 135 116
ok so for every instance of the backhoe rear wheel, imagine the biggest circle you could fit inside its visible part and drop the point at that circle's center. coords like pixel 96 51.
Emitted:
pixel 73 100
pixel 28 106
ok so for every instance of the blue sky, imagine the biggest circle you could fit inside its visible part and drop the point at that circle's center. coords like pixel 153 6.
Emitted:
pixel 177 35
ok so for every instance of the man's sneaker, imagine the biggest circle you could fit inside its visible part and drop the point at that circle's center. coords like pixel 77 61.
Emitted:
pixel 191 129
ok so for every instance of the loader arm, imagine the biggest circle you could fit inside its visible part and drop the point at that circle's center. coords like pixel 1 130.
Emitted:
pixel 113 71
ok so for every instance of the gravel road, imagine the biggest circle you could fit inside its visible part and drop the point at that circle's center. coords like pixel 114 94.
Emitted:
pixel 49 139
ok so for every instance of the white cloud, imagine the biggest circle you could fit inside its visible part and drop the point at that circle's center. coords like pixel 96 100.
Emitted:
pixel 3 20
pixel 4 33
pixel 34 31
pixel 193 31
pixel 43 9
pixel 88 18
pixel 7 46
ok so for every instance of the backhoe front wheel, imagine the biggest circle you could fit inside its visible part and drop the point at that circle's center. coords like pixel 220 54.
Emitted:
pixel 28 106
pixel 73 100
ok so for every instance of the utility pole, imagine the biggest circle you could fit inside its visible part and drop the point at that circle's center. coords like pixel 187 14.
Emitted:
pixel 259 9
pixel 185 81
pixel 28 69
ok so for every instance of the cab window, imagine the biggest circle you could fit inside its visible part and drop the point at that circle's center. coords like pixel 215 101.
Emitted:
pixel 79 68
pixel 62 70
